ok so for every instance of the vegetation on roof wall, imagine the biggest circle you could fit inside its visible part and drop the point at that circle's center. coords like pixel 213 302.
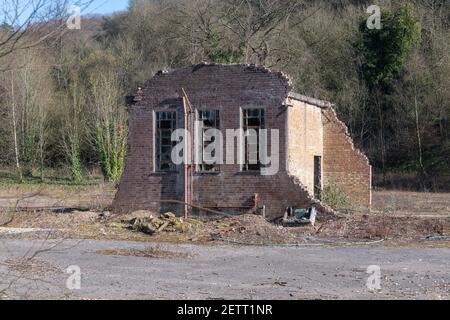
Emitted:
pixel 390 85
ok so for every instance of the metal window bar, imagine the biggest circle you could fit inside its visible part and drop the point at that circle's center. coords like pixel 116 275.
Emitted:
pixel 253 119
pixel 210 119
pixel 165 124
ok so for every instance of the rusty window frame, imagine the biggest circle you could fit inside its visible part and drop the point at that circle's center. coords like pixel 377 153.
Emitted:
pixel 252 118
pixel 210 119
pixel 166 123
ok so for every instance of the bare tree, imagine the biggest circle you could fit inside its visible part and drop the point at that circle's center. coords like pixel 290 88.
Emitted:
pixel 110 121
pixel 254 21
pixel 30 104
pixel 73 126
pixel 14 129
pixel 28 23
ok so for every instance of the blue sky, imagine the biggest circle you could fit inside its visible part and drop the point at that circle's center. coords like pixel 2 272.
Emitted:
pixel 106 6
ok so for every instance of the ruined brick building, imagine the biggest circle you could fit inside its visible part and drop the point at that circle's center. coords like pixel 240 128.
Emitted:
pixel 315 149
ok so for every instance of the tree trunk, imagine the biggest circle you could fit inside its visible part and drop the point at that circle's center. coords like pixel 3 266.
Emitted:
pixel 419 139
pixel 14 128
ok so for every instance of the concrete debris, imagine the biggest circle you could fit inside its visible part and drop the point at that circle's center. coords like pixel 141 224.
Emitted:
pixel 149 223
pixel 104 215
pixel 143 214
pixel 169 215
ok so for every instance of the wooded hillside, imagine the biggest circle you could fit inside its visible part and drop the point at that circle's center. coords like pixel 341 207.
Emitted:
pixel 63 92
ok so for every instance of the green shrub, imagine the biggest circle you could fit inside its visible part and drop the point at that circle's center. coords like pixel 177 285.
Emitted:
pixel 336 198
pixel 384 52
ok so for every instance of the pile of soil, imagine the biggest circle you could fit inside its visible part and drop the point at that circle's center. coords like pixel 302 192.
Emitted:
pixel 246 228
pixel 255 229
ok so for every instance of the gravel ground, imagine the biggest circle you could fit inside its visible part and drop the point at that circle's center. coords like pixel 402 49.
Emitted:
pixel 219 271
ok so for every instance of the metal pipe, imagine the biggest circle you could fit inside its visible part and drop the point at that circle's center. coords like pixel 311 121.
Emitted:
pixel 186 196
pixel 192 164
pixel 195 207
pixel 231 207
pixel 188 163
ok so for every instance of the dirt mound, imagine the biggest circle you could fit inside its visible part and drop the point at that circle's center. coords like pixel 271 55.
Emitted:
pixel 255 229
pixel 247 228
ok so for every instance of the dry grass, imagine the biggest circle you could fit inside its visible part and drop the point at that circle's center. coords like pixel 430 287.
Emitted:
pixel 148 252
pixel 372 227
pixel 35 266
pixel 56 190
pixel 411 203
pixel 51 220
pixel 41 195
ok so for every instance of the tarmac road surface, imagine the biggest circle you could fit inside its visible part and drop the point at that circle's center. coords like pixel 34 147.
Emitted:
pixel 220 271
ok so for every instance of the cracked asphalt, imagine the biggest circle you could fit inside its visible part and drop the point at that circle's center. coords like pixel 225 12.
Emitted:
pixel 220 272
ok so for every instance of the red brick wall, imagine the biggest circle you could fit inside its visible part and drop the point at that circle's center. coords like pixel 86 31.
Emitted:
pixel 226 88
pixel 344 165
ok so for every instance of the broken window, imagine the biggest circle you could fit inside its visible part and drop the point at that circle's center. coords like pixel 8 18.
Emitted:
pixel 165 125
pixel 253 122
pixel 208 120
pixel 318 177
